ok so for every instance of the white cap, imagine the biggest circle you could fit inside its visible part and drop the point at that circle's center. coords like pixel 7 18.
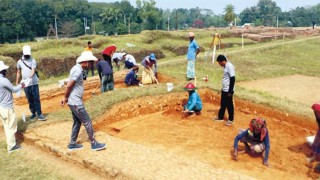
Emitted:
pixel 86 56
pixel 26 50
pixel 3 66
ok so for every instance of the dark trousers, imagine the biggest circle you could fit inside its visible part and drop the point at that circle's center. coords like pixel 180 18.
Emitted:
pixel 107 83
pixel 80 116
pixel 226 103
pixel 32 94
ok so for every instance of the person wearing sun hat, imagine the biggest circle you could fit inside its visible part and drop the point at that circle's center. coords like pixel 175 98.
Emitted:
pixel 193 51
pixel 255 138
pixel 149 76
pixel 194 103
pixel 7 114
pixel 74 98
pixel 105 69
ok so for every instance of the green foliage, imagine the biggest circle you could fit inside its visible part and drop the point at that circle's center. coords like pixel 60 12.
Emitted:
pixel 230 15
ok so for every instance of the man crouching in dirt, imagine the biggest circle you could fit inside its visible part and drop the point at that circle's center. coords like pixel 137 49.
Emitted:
pixel 194 104
pixel 7 115
pixel 73 96
pixel 316 143
pixel 257 136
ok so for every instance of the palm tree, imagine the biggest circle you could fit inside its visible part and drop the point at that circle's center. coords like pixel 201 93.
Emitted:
pixel 230 15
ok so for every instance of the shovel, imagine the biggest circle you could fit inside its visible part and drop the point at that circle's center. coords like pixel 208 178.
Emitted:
pixel 95 89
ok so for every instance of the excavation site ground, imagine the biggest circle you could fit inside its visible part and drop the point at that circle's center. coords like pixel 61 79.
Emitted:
pixel 150 138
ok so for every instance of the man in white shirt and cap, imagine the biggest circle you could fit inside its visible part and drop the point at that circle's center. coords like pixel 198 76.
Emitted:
pixel 26 67
pixel 74 98
pixel 7 115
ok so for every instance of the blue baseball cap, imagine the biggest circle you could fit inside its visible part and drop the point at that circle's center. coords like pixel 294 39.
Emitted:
pixel 152 56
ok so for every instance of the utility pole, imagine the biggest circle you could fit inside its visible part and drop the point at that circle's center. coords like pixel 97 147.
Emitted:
pixel 55 25
pixel 85 25
pixel 93 24
pixel 129 25
pixel 176 20
pixel 169 23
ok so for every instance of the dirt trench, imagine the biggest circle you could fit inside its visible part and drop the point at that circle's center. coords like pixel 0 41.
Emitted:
pixel 157 122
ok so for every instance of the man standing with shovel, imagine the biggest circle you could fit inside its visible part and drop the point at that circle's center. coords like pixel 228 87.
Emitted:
pixel 73 96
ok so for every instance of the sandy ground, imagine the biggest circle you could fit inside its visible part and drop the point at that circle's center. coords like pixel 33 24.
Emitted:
pixel 157 122
pixel 200 138
pixel 295 87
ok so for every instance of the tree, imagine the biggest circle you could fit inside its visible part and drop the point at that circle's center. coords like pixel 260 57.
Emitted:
pixel 229 13
pixel 268 11
pixel 69 29
pixel 150 14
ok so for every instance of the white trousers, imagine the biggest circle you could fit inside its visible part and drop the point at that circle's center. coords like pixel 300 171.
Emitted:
pixel 8 118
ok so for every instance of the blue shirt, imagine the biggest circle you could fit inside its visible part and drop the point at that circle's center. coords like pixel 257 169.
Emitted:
pixel 104 68
pixel 194 101
pixel 192 50
pixel 266 142
pixel 131 78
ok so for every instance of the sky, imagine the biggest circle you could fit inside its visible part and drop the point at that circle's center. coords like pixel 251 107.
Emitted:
pixel 218 6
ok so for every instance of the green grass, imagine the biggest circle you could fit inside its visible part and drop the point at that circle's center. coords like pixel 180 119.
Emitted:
pixel 16 166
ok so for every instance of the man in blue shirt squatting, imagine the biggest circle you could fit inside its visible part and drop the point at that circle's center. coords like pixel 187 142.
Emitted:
pixel 74 97
pixel 193 51
pixel 257 136
pixel 194 103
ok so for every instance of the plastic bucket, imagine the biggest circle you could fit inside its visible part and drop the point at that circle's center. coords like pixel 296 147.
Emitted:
pixel 169 87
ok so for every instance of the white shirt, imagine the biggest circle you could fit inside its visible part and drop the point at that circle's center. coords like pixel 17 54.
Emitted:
pixel 228 72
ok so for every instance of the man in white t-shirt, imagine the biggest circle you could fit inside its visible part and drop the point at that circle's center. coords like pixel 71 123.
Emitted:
pixel 26 67
pixel 228 81
pixel 129 61
pixel 74 98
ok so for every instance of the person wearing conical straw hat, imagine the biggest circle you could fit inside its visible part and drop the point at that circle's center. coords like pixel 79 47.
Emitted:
pixel 193 51
pixel 194 103
pixel 7 115
pixel 74 98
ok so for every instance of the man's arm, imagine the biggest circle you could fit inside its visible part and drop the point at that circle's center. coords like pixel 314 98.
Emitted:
pixel 198 50
pixel 18 76
pixel 232 82
pixel 70 85
pixel 33 70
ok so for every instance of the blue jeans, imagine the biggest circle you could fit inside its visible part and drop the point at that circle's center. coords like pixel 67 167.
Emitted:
pixel 107 83
pixel 32 94
pixel 80 116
